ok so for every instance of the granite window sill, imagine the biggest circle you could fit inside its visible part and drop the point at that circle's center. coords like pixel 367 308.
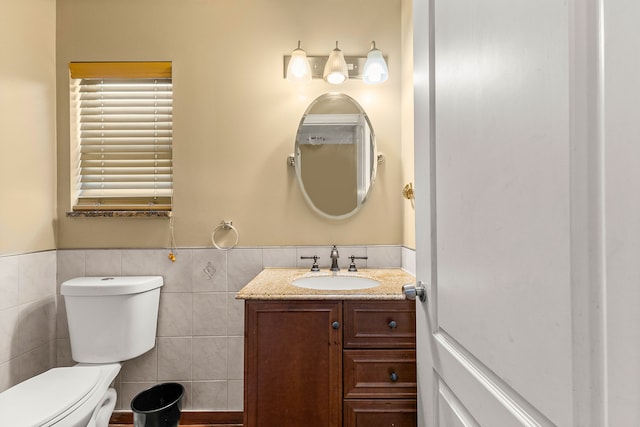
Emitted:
pixel 119 214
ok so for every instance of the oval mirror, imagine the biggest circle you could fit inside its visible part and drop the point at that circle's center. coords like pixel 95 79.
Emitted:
pixel 335 155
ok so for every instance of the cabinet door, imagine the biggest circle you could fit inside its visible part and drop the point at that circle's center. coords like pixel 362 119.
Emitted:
pixel 293 372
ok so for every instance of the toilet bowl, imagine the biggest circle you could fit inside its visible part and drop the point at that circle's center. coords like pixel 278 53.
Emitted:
pixel 111 319
pixel 77 396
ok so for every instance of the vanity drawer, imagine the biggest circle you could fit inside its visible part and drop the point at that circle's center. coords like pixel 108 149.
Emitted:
pixel 380 324
pixel 379 374
pixel 380 413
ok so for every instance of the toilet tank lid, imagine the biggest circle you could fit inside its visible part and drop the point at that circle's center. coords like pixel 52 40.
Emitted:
pixel 116 285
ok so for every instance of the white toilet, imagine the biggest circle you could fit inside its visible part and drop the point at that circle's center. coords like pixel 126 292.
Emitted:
pixel 111 319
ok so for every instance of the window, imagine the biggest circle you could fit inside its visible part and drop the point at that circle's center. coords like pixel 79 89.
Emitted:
pixel 121 136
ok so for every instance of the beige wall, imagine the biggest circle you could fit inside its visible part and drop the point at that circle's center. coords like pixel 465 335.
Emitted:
pixel 27 134
pixel 235 117
pixel 407 166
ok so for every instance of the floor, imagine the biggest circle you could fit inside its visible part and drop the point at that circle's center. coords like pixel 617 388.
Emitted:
pixel 190 419
pixel 189 425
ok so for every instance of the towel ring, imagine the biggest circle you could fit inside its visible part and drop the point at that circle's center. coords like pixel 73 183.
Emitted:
pixel 224 225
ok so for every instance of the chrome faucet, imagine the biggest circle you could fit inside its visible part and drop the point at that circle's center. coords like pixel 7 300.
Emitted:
pixel 334 259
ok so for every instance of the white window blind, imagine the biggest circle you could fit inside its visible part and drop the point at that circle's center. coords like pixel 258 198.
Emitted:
pixel 122 128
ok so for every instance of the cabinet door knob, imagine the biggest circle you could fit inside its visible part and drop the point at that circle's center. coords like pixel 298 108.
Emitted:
pixel 393 324
pixel 335 325
pixel 394 377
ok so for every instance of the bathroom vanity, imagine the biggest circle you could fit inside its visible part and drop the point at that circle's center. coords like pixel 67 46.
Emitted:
pixel 329 357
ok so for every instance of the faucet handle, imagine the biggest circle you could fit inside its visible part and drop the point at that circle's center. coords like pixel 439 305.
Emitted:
pixel 314 267
pixel 352 266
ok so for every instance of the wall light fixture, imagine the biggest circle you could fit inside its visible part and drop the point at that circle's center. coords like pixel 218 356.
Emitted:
pixel 299 69
pixel 336 68
pixel 375 69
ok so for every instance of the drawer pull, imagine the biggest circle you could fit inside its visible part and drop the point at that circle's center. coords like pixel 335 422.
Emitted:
pixel 393 324
pixel 335 325
pixel 394 377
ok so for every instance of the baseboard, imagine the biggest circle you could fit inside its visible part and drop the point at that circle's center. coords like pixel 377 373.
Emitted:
pixel 189 418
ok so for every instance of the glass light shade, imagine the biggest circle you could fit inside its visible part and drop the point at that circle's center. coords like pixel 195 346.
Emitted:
pixel 299 69
pixel 335 70
pixel 375 68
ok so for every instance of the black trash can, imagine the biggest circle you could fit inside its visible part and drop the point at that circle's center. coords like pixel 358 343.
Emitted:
pixel 158 406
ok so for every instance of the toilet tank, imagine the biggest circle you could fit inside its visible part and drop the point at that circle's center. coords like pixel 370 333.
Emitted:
pixel 111 319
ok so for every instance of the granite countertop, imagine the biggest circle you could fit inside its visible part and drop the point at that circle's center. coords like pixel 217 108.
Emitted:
pixel 276 284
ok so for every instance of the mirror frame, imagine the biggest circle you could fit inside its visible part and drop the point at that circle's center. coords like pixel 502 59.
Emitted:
pixel 371 146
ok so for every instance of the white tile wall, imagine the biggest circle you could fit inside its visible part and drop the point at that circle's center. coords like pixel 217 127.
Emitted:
pixel 235 367
pixel 209 270
pixel 235 319
pixel 409 260
pixel 9 282
pixel 140 262
pixel 210 358
pixel 175 317
pixel 70 264
pixel 103 262
pixel 243 265
pixel 175 358
pixel 142 368
pixel 9 333
pixel 278 257
pixel 210 310
pixel 36 324
pixel 212 395
pixel 235 392
pixel 37 276
pixel 178 275
pixel 27 316
pixel 384 256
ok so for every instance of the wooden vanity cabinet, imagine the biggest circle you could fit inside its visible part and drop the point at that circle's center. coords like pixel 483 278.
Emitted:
pixel 330 363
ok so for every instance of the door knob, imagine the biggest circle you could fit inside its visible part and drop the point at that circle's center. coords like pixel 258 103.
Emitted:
pixel 417 290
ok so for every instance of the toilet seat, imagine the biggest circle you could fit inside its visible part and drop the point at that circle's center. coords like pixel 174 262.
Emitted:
pixel 46 398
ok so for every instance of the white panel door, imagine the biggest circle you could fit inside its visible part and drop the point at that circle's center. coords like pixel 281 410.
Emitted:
pixel 621 196
pixel 512 195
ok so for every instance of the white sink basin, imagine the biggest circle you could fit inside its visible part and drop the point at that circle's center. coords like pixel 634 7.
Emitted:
pixel 335 283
